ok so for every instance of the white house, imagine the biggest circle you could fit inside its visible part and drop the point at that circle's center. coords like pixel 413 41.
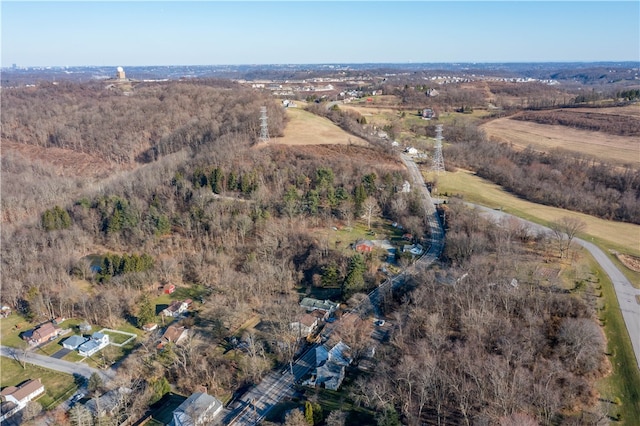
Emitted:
pixel 198 410
pixel 305 325
pixel 177 308
pixel 93 345
pixel 17 397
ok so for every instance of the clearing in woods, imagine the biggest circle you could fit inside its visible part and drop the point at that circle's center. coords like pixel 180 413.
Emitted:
pixel 305 128
pixel 542 137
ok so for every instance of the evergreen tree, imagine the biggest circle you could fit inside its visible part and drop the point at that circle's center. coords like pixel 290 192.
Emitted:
pixel 359 195
pixel 146 312
pixel 95 382
pixel 217 180
pixel 354 281
pixel 308 412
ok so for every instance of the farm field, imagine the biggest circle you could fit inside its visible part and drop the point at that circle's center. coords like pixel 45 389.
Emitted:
pixel 618 149
pixel 624 237
pixel 305 128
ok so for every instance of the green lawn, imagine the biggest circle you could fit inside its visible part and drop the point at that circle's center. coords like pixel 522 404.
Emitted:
pixel 10 329
pixel 58 386
pixel 624 382
pixel 118 338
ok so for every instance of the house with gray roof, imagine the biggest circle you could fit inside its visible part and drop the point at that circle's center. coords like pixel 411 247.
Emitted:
pixel 198 410
pixel 311 304
pixel 93 345
pixel 73 342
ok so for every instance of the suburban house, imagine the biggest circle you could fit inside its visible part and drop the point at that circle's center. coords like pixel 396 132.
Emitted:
pixel 326 306
pixel 42 333
pixel 168 288
pixel 174 334
pixel 177 308
pixel 305 325
pixel 15 398
pixel 364 246
pixel 198 410
pixel 93 345
pixel 414 249
pixel 108 403
pixel 330 366
pixel 73 342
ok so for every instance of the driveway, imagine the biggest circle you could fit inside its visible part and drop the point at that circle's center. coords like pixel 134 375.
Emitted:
pixel 61 353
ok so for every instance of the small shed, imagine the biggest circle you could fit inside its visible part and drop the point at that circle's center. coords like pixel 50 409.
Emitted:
pixel 150 327
pixel 168 288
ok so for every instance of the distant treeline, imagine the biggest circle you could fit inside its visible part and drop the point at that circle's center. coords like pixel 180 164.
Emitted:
pixel 621 125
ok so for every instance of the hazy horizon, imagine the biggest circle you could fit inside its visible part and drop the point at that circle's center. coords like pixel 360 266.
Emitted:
pixel 216 33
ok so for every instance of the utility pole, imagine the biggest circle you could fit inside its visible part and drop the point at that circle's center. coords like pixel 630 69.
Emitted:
pixel 264 125
pixel 438 159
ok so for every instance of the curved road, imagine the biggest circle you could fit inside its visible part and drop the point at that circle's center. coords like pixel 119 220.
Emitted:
pixel 628 296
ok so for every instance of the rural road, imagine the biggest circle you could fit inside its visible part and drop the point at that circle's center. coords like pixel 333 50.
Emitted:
pixel 628 296
pixel 55 364
pixel 255 404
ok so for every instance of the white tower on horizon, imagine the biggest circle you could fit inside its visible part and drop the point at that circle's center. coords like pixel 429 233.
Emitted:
pixel 264 125
pixel 438 159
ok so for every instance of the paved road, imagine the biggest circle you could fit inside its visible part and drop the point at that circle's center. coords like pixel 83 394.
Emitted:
pixel 55 364
pixel 627 295
pixel 254 405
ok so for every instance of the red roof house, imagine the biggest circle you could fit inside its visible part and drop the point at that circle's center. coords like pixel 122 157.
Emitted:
pixel 365 246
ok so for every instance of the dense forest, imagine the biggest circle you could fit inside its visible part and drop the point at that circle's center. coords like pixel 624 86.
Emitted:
pixel 488 342
pixel 152 121
pixel 191 199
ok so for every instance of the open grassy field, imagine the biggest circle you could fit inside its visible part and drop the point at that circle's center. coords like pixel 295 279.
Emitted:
pixel 617 149
pixel 305 128
pixel 623 237
pixel 58 386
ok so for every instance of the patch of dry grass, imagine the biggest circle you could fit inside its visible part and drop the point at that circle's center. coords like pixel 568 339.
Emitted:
pixel 618 149
pixel 305 128
pixel 624 237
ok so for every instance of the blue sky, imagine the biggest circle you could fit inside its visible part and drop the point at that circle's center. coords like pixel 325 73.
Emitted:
pixel 214 32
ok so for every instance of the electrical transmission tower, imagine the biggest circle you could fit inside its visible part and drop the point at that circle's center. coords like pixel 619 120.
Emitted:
pixel 264 125
pixel 438 159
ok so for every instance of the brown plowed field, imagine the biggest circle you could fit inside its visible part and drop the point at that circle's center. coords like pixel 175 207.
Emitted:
pixel 543 137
